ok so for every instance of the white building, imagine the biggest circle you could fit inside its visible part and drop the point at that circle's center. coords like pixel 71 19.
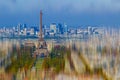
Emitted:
pixel 53 28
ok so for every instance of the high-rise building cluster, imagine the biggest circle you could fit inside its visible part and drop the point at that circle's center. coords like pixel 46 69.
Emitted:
pixel 53 29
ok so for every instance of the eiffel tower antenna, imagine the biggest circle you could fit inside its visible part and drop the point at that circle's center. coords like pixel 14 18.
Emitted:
pixel 40 36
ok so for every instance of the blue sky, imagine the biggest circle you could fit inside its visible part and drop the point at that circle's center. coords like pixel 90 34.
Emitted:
pixel 71 12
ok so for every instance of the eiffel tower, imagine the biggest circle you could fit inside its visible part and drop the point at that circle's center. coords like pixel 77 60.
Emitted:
pixel 41 50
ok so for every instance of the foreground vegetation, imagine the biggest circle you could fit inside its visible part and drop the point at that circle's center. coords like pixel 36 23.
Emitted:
pixel 21 58
pixel 55 61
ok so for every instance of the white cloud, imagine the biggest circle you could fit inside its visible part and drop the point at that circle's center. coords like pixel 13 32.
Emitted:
pixel 59 5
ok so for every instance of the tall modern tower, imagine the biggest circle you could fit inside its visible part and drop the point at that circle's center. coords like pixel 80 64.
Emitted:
pixel 41 50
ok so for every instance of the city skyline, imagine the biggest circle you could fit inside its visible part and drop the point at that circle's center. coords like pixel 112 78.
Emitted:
pixel 59 40
pixel 73 13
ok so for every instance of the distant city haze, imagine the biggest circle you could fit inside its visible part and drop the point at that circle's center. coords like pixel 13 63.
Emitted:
pixel 72 12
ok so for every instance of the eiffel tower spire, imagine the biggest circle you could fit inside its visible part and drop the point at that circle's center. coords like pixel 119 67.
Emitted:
pixel 40 34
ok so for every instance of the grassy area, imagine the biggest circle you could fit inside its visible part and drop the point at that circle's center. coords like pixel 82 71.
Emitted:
pixel 56 64
pixel 39 63
pixel 21 59
pixel 55 61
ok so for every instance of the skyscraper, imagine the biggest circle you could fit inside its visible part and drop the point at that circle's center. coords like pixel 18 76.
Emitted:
pixel 53 28
pixel 60 28
pixel 65 28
